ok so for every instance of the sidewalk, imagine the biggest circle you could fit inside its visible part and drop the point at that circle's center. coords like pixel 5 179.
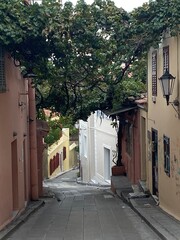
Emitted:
pixel 86 213
pixel 20 219
pixel 163 224
pixel 32 207
pixel 167 227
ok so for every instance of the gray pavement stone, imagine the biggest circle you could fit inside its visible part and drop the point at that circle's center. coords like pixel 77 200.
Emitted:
pixel 30 209
pixel 85 213
pixel 164 225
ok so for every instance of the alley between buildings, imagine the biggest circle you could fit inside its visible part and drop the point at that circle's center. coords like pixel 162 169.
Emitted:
pixel 82 212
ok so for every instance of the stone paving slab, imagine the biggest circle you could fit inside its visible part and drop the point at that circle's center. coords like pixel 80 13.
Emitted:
pixel 167 227
pixel 31 208
pixel 99 216
pixel 84 214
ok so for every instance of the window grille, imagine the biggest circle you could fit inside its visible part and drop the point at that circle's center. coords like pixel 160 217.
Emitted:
pixel 2 71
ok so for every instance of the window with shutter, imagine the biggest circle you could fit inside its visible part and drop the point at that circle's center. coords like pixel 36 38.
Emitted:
pixel 166 155
pixel 154 73
pixel 64 153
pixel 165 58
pixel 2 71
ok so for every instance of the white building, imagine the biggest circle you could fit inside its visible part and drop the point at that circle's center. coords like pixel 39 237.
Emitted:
pixel 97 146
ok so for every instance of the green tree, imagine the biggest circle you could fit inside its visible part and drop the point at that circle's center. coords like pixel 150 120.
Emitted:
pixel 56 125
pixel 55 131
pixel 133 84
pixel 82 53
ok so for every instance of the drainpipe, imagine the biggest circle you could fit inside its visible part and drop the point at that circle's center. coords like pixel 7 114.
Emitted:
pixel 178 64
pixel 119 142
pixel 33 143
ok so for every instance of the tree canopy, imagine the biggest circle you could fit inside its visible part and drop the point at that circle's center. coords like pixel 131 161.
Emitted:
pixel 82 53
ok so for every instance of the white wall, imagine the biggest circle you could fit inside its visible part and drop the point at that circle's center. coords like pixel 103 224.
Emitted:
pixel 83 150
pixel 96 138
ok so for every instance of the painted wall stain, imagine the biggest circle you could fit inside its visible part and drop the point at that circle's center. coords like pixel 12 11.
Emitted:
pixel 177 178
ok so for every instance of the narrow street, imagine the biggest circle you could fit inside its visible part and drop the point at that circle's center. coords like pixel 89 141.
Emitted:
pixel 80 212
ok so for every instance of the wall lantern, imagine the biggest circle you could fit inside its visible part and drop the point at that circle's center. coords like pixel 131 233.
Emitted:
pixel 167 84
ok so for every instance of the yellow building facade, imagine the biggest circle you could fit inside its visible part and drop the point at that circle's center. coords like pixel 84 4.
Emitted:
pixel 58 155
pixel 163 127
pixel 61 156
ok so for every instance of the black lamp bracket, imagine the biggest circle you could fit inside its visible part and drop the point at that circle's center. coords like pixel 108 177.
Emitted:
pixel 175 104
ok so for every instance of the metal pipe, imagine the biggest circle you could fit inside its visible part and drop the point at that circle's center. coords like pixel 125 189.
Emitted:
pixel 178 64
pixel 33 143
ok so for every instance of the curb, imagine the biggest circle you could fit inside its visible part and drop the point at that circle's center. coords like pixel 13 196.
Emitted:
pixel 19 220
pixel 147 222
pixel 93 184
pixel 58 175
pixel 130 204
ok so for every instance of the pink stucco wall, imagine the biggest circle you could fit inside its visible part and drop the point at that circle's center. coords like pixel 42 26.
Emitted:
pixel 133 163
pixel 13 128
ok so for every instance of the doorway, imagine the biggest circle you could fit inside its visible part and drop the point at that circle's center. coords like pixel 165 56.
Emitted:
pixel 143 149
pixel 107 165
pixel 15 191
pixel 24 164
pixel 155 161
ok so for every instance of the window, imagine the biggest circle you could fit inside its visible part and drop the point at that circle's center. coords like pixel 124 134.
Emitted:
pixel 2 71
pixel 129 139
pixel 166 155
pixel 85 146
pixel 165 59
pixel 154 73
pixel 64 153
